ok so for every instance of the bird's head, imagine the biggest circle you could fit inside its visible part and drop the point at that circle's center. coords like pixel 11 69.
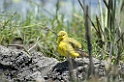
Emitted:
pixel 62 35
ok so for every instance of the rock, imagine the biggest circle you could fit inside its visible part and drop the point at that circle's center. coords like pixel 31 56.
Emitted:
pixel 15 65
pixel 79 70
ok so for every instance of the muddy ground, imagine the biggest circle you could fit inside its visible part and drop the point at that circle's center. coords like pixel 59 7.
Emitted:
pixel 16 66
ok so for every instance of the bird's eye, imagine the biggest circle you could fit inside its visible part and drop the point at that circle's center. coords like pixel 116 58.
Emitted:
pixel 63 35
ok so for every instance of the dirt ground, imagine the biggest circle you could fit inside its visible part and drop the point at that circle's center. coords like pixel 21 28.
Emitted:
pixel 17 66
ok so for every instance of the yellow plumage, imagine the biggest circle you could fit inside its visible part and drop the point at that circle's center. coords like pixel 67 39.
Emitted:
pixel 69 46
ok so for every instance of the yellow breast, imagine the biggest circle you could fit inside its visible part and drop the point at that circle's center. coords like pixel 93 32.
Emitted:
pixel 66 49
pixel 62 48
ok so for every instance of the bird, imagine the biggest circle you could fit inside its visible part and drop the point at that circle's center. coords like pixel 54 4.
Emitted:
pixel 69 47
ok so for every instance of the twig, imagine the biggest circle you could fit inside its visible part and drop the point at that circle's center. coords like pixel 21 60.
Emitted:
pixel 91 70
pixel 105 3
pixel 48 29
pixel 88 36
pixel 122 6
pixel 120 37
pixel 81 5
pixel 88 16
pixel 32 47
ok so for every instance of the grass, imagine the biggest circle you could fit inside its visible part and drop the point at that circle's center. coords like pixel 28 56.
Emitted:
pixel 107 34
pixel 31 30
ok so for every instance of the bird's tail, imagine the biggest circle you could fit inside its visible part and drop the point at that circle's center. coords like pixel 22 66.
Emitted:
pixel 82 53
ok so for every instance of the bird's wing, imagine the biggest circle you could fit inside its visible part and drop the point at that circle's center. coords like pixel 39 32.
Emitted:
pixel 73 42
pixel 77 47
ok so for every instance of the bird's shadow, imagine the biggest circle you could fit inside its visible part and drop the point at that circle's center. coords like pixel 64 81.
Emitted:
pixel 64 66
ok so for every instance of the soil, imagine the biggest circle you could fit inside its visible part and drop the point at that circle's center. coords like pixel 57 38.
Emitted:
pixel 17 66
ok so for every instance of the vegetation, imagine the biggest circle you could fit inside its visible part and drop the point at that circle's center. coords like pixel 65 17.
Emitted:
pixel 38 31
